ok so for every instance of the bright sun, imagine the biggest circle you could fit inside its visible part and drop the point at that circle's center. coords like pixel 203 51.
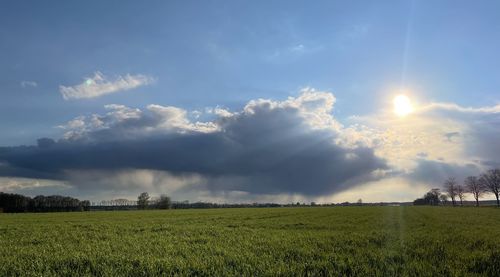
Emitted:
pixel 402 105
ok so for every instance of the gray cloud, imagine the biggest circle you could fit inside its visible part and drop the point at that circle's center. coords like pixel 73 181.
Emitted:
pixel 269 147
pixel 450 135
pixel 434 173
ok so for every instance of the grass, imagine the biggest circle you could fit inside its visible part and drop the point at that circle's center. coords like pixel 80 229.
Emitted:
pixel 363 241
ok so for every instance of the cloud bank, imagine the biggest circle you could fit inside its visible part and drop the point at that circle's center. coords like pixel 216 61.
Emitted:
pixel 270 147
pixel 100 85
pixel 282 151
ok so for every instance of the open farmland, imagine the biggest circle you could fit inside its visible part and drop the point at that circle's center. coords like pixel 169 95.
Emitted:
pixel 383 241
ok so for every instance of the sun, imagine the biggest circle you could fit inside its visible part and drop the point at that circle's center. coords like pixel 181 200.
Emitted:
pixel 402 105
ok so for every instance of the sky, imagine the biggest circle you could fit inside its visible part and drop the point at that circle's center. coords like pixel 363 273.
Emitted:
pixel 247 101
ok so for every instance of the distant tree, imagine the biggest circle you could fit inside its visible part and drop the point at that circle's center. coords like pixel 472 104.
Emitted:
pixel 40 203
pixel 164 202
pixel 431 197
pixel 450 186
pixel 14 203
pixel 443 198
pixel 360 202
pixel 85 205
pixel 461 193
pixel 474 187
pixel 120 202
pixel 419 202
pixel 491 181
pixel 143 200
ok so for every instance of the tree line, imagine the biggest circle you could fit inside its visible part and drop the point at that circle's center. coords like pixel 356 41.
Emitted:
pixel 16 203
pixel 144 201
pixel 477 186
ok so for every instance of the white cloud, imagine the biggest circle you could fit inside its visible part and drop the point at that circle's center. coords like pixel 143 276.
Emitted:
pixel 100 85
pixel 11 184
pixel 27 84
pixel 437 141
pixel 124 122
pixel 457 108
pixel 121 112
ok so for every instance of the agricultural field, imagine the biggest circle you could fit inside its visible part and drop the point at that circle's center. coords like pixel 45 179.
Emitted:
pixel 363 241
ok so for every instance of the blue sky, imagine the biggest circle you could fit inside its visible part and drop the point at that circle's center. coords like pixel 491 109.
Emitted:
pixel 225 53
pixel 199 55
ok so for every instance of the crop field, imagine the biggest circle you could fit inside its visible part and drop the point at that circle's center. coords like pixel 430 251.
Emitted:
pixel 363 241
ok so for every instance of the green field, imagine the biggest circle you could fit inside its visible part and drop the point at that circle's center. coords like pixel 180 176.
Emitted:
pixel 365 241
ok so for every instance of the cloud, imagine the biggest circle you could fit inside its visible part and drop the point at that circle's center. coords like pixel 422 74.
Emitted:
pixel 289 147
pixel 27 84
pixel 476 131
pixel 437 141
pixel 283 151
pixel 390 189
pixel 128 183
pixel 436 172
pixel 9 184
pixel 451 107
pixel 449 136
pixel 121 123
pixel 100 85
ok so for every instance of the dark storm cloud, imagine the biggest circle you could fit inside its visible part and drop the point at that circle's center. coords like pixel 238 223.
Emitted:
pixel 269 147
pixel 435 173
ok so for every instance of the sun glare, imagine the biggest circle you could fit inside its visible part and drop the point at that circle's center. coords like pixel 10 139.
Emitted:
pixel 402 105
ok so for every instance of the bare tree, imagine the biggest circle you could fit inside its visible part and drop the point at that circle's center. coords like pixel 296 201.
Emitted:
pixel 461 193
pixel 121 201
pixel 450 186
pixel 491 182
pixel 474 187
